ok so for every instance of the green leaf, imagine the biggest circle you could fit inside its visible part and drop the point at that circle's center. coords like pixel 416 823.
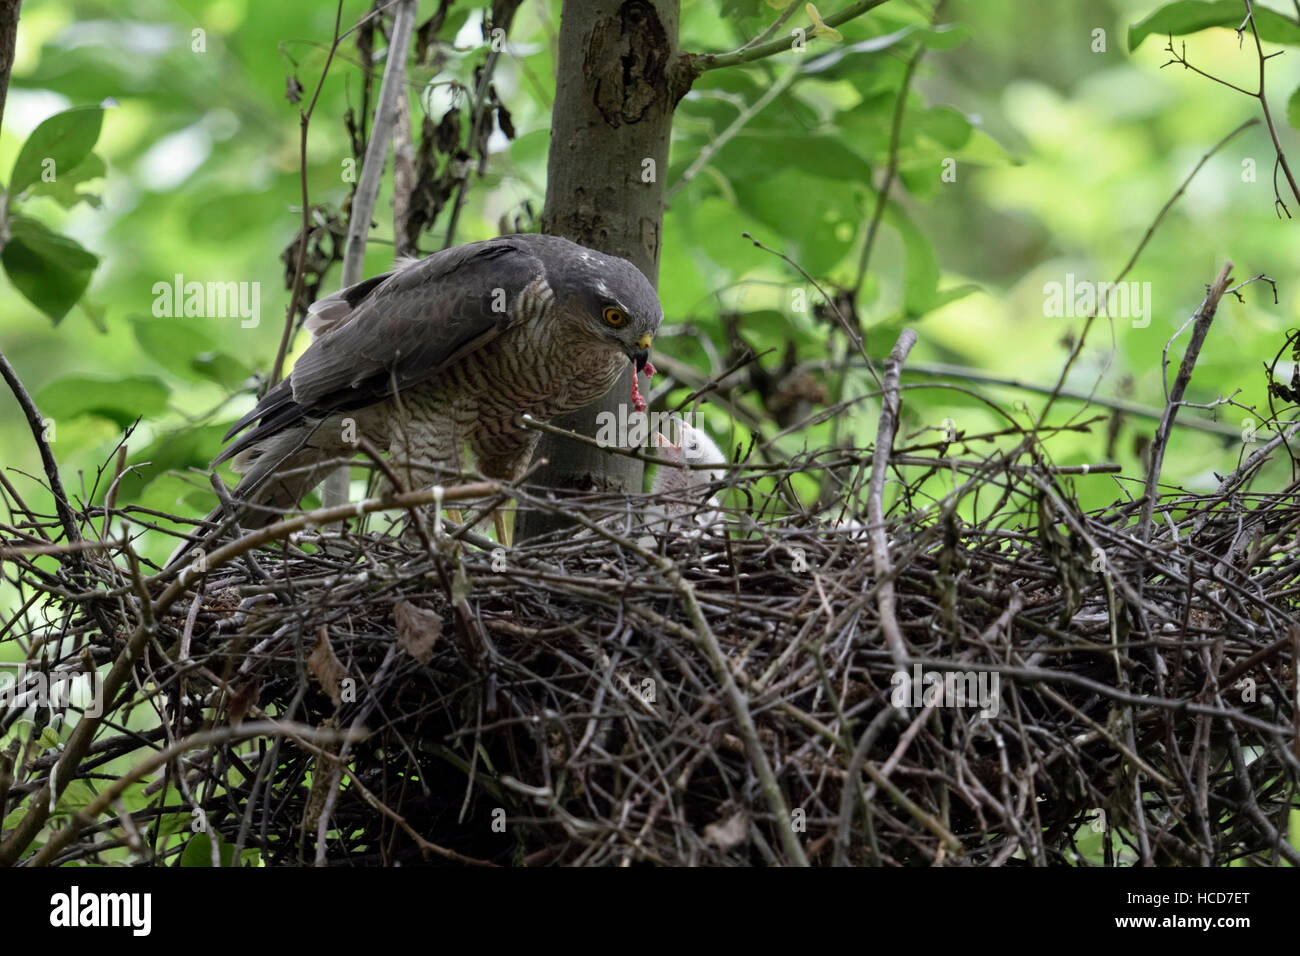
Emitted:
pixel 66 138
pixel 816 231
pixel 189 350
pixel 198 501
pixel 95 313
pixel 135 798
pixel 220 368
pixel 819 155
pixel 953 293
pixel 983 150
pixel 120 400
pixel 171 823
pixel 873 45
pixel 867 125
pixel 743 10
pixel 1192 16
pixel 63 189
pixel 723 94
pixel 170 341
pixel 1293 109
pixel 946 125
pixel 921 275
pixel 198 852
pixel 15 817
pixel 945 37
pixel 51 271
pixel 76 796
pixel 178 450
pixel 767 327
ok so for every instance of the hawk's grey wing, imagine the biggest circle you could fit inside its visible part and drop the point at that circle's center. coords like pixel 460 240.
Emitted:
pixel 401 331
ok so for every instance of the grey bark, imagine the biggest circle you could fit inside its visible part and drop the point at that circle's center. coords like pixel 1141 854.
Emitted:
pixel 8 45
pixel 619 77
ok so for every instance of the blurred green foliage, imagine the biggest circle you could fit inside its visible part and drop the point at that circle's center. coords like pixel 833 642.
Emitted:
pixel 1063 135
pixel 1062 131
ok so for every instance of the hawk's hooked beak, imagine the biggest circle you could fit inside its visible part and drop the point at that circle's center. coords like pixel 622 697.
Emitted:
pixel 642 353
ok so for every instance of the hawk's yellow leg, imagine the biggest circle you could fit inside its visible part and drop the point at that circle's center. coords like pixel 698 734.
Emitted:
pixel 504 523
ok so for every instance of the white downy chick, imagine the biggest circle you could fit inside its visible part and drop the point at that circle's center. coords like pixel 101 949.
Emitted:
pixel 687 487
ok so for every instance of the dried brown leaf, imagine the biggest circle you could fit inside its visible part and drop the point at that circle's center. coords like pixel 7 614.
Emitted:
pixel 417 630
pixel 242 699
pixel 324 665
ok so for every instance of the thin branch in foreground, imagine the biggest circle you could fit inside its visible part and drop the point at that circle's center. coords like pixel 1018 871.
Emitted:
pixel 697 63
pixel 1204 316
pixel 37 426
pixel 1082 338
pixel 890 406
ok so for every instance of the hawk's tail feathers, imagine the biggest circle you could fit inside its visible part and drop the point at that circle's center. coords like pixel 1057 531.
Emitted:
pixel 276 474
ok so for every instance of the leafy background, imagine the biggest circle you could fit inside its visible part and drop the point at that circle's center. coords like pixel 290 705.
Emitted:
pixel 1064 156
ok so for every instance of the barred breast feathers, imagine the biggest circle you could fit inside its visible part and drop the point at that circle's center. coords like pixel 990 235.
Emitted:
pixel 534 301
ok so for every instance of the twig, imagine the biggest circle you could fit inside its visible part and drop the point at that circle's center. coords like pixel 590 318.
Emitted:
pixel 1132 260
pixel 37 426
pixel 708 643
pixel 334 490
pixel 890 406
pixel 82 735
pixel 304 122
pixel 831 304
pixel 891 167
pixel 480 112
pixel 946 370
pixel 1268 116
pixel 381 136
pixel 727 135
pixel 1204 316
pixel 200 741
pixel 698 63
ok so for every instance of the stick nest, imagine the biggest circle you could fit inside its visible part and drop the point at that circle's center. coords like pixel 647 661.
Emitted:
pixel 713 695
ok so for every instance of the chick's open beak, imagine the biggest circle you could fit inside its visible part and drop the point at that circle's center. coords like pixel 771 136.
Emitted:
pixel 641 354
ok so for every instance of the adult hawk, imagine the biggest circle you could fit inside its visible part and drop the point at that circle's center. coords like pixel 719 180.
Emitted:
pixel 443 353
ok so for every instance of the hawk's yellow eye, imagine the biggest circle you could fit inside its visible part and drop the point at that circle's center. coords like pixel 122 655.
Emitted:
pixel 614 316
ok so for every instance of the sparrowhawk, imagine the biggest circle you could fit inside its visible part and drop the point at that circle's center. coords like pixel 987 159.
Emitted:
pixel 442 353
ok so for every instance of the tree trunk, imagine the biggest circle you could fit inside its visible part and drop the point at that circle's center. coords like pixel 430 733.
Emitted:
pixel 8 45
pixel 618 80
